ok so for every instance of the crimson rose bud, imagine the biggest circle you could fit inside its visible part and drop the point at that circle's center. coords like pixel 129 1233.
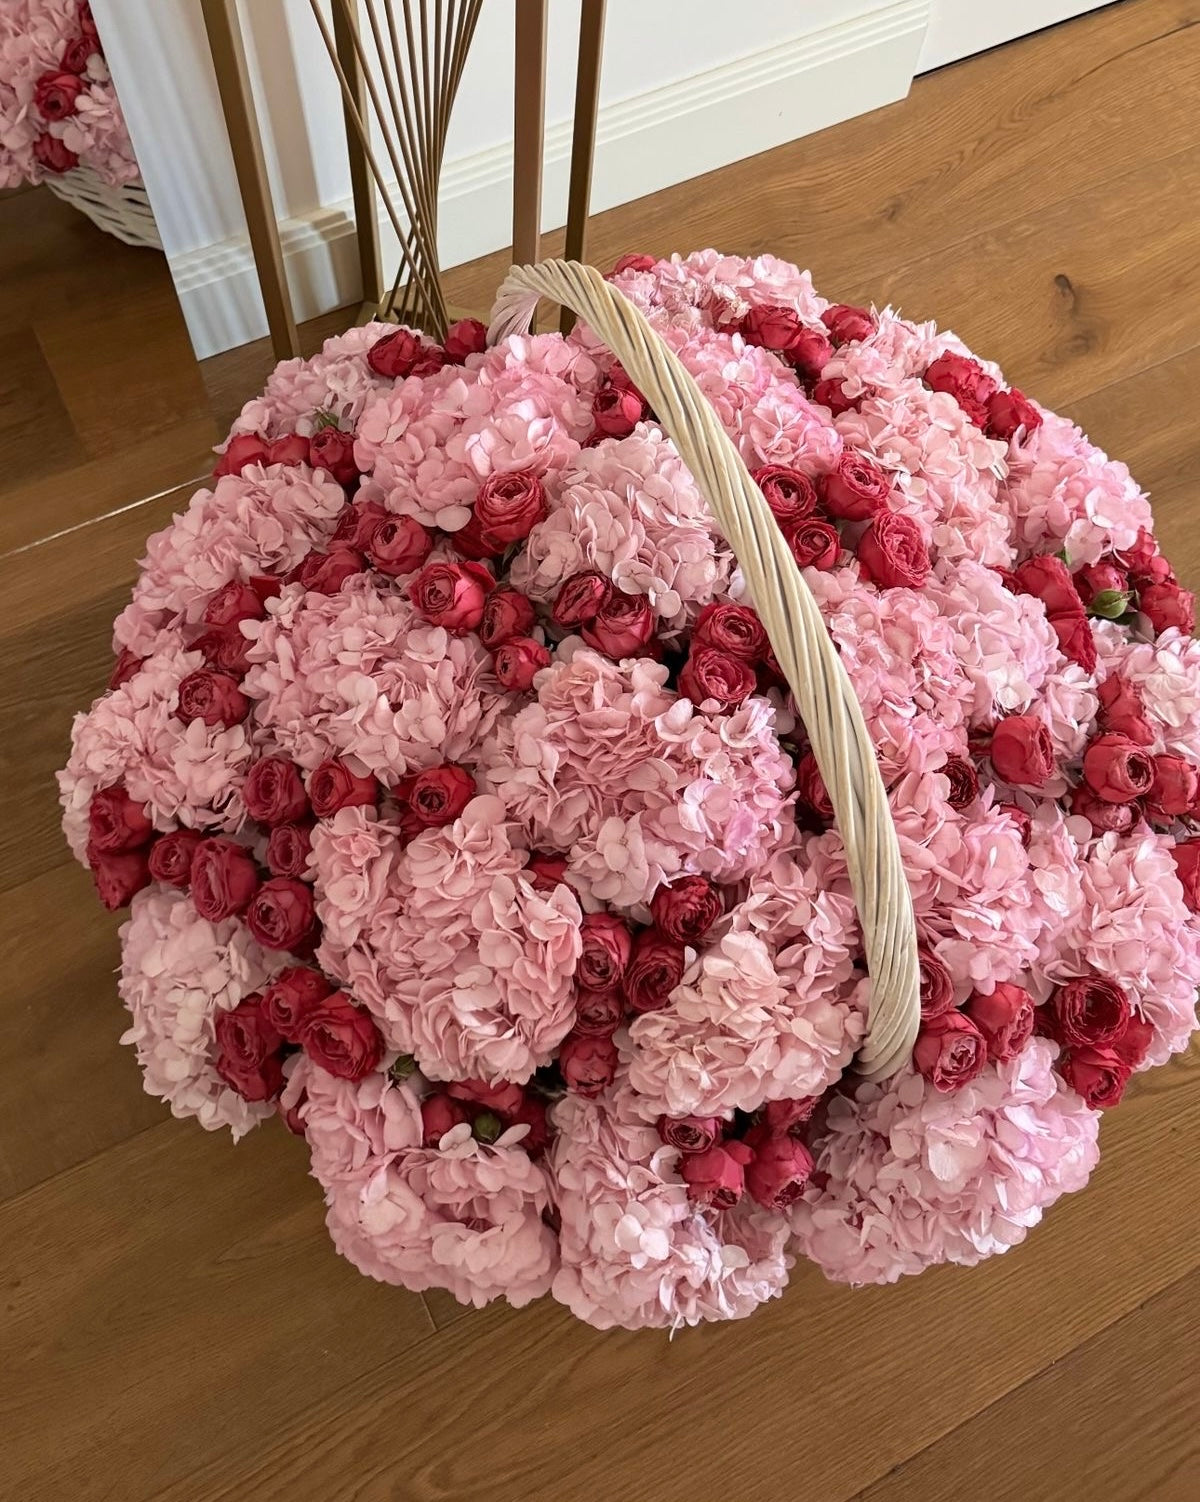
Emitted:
pixel 691 1134
pixel 325 573
pixel 950 1051
pixel 855 489
pixel 966 381
pixel 1116 770
pixel 508 507
pixel 289 448
pixel 116 821
pixel 225 650
pixel 733 629
pixel 780 1169
pixel 171 857
pixel 655 969
pixel 248 1051
pixel 342 1038
pixel 1117 818
pixel 963 779
pixel 587 1064
pixel 77 54
pixel 531 1113
pixel 716 1177
pixel 212 697
pixel 1134 1043
pixel 291 997
pixel 233 603
pixel 633 262
pixel 687 909
pixel 846 322
pixel 452 595
pixel 789 1115
pixel 832 393
pixel 1092 1011
pixel 56 94
pixel 1049 579
pixel 1009 412
pixel 288 850
pixel 333 451
pixel 1019 817
pixel 791 495
pixel 1186 855
pixel 518 662
pixel 357 521
pixel 466 337
pixel 580 598
pixel 241 450
pixel 333 785
pixel 439 1113
pixel 281 914
pixel 1022 751
pixel 1123 710
pixel 598 1013
pixel 1100 579
pixel 1005 1018
pixel 438 795
pixel 224 878
pixel 937 988
pixel 273 792
pixel 399 545
pixel 1098 1074
pixel 617 410
pixel 621 627
pixel 892 552
pixel 607 948
pixel 814 544
pixel 1075 639
pixel 54 155
pixel 709 675
pixel 810 785
pixel 118 875
pixel 508 613
pixel 772 326
pixel 396 354
pixel 503 1097
pixel 1175 787
pixel 545 872
pixel 127 664
pixel 1166 605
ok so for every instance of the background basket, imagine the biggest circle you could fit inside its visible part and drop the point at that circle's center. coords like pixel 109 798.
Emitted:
pixel 124 212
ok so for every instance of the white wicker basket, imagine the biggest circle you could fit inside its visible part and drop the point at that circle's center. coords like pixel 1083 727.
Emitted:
pixel 124 212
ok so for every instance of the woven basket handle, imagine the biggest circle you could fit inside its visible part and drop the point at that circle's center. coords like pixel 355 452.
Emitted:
pixel 832 715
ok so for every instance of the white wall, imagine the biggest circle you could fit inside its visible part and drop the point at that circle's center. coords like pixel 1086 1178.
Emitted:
pixel 960 28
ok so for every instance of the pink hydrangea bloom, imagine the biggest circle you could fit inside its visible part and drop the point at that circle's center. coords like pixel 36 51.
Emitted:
pixel 1166 673
pixel 336 381
pixel 402 443
pixel 352 1125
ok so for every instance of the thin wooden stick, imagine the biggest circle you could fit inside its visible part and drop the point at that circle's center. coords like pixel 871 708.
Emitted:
pixel 583 138
pixel 529 119
pixel 366 221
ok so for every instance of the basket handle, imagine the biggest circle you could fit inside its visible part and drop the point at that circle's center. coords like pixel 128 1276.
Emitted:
pixel 831 712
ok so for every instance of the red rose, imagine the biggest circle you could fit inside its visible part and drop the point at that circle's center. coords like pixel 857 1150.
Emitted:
pixel 288 448
pixel 356 526
pixel 56 94
pixel 54 155
pixel 342 1038
pixel 518 662
pixel 964 781
pixel 1122 709
pixel 126 666
pixel 621 627
pixel 687 909
pixel 709 675
pixel 1116 770
pixel 691 1134
pixel 503 1097
pixel 633 262
pixel 281 914
pixel 791 496
pixel 466 337
pixel 452 595
pixel 116 821
pixel 1119 818
pixel 814 544
pixel 810 785
pixel 396 354
pixel 224 878
pixel 937 988
pixel 333 785
pixel 325 573
pixel 1021 821
pixel 212 697
pixel 288 850
pixel 1097 579
pixel 508 507
pixel 855 490
pixel 1166 605
pixel 617 410
pixel 508 613
pixel 118 875
pixel 333 451
pixel 273 792
pixel 291 997
pixel 832 393
pixel 248 1051
pixel 1186 856
pixel 171 857
pixel 607 947
pixel 716 1177
pixel 1134 1043
pixel 1098 1074
pixel 892 552
pixel 545 872
pixel 598 1014
pixel 233 603
pixel 809 353
pixel 581 598
pixel 772 326
pixel 846 322
pixel 439 1115
pixel 966 381
pixel 655 969
pixel 1075 639
pixel 1010 412
pixel 77 54
pixel 1174 789
pixel 789 1115
pixel 438 795
pixel 1005 1018
pixel 588 1064
pixel 531 1113
pixel 950 1051
pixel 1091 1012
pixel 780 1169
pixel 87 24
pixel 225 651
pixel 399 545
pixel 1022 751
pixel 1049 579
pixel 733 629
pixel 241 450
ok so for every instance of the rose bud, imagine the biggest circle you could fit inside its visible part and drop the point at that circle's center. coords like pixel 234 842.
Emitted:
pixel 452 595
pixel 892 552
pixel 290 448
pixel 1134 1043
pixel 733 629
pixel 325 573
pixel 77 54
pixel 439 1114
pixel 588 1064
pixel 966 381
pixel 937 988
pixel 791 495
pixel 225 651
pixel 809 353
pixel 950 1051
pixel 466 337
pixel 1186 855
pixel 716 1177
pixel 212 697
pixel 1143 557
pixel 116 821
pixel 1174 789
pixel 288 850
pixel 486 1127
pixel 789 1115
pixel 342 1038
pixel 281 915
pixel 223 879
pixel 333 451
pixel 171 856
pixel 508 507
pixel 617 410
pixel 832 393
pixel 1004 1017
pixel 503 1097
pixel 508 613
pixel 396 354
pixel 531 1113
pixel 357 522
pixel 691 1134
pixel 1075 639
pixel 273 792
pixel 1010 412
pixel 687 909
pixel 780 1168
pixel 518 662
pixel 399 545
pixel 126 666
pixel 581 598
pixel 438 795
pixel 118 875
pixel 772 326
pixel 607 948
pixel 709 676
pixel 846 322
pixel 633 263
pixel 56 95
pixel 54 155
pixel 963 779
pixel 545 872
pixel 621 627
pixel 233 603
pixel 1123 710
pixel 655 969
pixel 432 359
pixel 1116 818
pixel 1116 770
pixel 1022 752
pixel 855 489
pixel 814 544
pixel 810 786
pixel 291 997
pixel 1099 579
pixel 598 1014
pixel 1021 820
pixel 248 1051
pixel 1098 1074
pixel 1168 605
pixel 333 785
pixel 1092 1012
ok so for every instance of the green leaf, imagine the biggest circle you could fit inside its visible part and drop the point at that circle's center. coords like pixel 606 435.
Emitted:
pixel 323 419
pixel 404 1066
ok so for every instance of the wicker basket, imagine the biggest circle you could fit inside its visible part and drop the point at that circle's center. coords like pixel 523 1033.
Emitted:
pixel 124 212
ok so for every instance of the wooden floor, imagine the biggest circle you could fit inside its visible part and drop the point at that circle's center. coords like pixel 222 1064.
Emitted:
pixel 173 1322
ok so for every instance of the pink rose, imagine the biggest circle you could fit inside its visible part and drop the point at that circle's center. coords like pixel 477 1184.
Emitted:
pixel 1186 855
pixel 503 1097
pixel 792 496
pixel 396 354
pixel 655 969
pixel 621 627
pixel 399 546
pixel 814 544
pixel 832 393
pixel 598 1014
pixel 1098 1074
pixel 224 878
pixel 288 849
pixel 691 1134
pixel 212 697
pixel 171 857
pixel 234 603
pixel 716 1177
pixel 733 629
pixel 709 674
pixel 248 1050
pixel 56 94
pixel 281 915
pixel 54 155
pixel 341 1037
pixel 116 821
pixel 966 381
pixel 1005 1018
pixel 1117 818
pixel 580 598
pixel 855 489
pixel 1010 412
pixel 1174 789
pixel 1022 751
pixel 950 1051
pixel 607 948
pixel 892 552
pixel 439 1114
pixel 438 795
pixel 291 997
pixel 452 595
pixel 1091 1012
pixel 356 526
pixel 780 1168
pixel 508 613
pixel 588 1064
pixel 127 665
pixel 937 988
pixel 333 451
pixel 118 875
pixel 545 872
pixel 508 507
pixel 518 662
pixel 465 337
pixel 810 786
pixel 687 909
pixel 333 785
pixel 1116 770
pixel 273 792
pixel 1168 604
pixel 789 1115
pixel 325 573
pixel 846 322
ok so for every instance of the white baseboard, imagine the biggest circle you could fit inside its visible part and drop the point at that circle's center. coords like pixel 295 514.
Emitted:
pixel 643 144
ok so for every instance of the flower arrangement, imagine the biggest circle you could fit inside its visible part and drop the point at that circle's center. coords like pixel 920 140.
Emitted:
pixel 58 108
pixel 468 825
